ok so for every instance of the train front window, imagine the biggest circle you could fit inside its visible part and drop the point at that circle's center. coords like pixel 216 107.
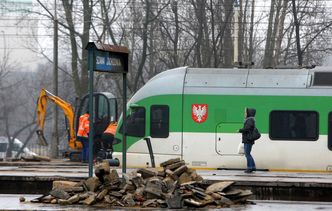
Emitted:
pixel 294 125
pixel 159 127
pixel 135 123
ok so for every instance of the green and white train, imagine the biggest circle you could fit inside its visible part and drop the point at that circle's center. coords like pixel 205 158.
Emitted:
pixel 195 114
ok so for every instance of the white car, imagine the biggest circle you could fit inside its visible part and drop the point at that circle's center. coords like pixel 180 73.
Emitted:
pixel 16 147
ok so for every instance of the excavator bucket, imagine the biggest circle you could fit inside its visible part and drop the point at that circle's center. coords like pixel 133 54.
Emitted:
pixel 41 138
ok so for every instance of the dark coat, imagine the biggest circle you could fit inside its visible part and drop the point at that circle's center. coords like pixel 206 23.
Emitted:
pixel 248 126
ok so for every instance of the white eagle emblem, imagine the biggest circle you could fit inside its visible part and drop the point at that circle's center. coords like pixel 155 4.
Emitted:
pixel 199 112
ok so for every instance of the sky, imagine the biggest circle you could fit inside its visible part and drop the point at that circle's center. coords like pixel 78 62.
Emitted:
pixel 16 36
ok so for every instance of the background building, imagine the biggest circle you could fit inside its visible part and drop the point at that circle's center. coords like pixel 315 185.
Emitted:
pixel 19 34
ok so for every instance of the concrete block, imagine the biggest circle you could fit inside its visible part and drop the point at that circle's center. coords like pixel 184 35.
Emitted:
pixel 92 183
pixel 169 162
pixel 175 165
pixel 63 202
pixel 154 188
pixel 184 178
pixel 194 176
pixel 175 201
pixel 64 185
pixel 150 203
pixel 74 199
pixel 129 200
pixel 180 170
pixel 90 200
pixel 116 194
pixel 22 199
pixel 146 173
pixel 138 181
pixel 219 186
pixel 102 194
pixel 60 194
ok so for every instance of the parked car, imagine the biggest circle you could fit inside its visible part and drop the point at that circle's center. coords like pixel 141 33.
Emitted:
pixel 16 147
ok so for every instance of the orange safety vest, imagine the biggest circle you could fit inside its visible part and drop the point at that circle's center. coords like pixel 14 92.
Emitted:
pixel 83 125
pixel 111 129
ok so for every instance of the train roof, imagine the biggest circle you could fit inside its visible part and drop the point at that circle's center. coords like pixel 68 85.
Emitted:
pixel 175 81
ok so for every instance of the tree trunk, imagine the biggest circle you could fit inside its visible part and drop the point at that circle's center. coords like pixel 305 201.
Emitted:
pixel 145 45
pixel 297 33
pixel 87 12
pixel 251 32
pixel 280 32
pixel 227 39
pixel 176 34
pixel 68 7
pixel 267 53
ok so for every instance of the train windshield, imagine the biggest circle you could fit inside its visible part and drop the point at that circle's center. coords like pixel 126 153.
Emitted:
pixel 135 122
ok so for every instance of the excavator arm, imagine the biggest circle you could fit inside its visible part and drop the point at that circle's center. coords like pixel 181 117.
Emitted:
pixel 45 96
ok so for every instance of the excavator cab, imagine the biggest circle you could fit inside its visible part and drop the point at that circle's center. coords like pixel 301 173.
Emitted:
pixel 105 111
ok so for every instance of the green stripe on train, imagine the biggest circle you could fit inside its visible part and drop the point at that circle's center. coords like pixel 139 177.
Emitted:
pixel 229 110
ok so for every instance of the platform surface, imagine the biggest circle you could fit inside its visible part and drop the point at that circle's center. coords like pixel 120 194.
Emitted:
pixel 59 169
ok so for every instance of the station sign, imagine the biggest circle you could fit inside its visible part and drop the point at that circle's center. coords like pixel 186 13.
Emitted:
pixel 108 58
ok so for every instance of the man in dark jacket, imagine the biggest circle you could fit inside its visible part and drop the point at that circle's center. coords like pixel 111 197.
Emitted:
pixel 248 127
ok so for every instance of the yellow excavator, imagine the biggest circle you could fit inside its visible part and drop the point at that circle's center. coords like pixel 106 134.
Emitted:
pixel 105 113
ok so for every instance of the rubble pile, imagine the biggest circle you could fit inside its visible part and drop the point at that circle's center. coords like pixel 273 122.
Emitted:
pixel 175 186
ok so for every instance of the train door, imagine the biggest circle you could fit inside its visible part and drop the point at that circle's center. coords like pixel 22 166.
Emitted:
pixel 329 135
pixel 160 133
pixel 228 138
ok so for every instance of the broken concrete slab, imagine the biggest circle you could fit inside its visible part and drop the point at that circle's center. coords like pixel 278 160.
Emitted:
pixel 102 169
pixel 149 188
pixel 75 198
pixel 195 177
pixel 63 185
pixel 92 183
pixel 184 178
pixel 219 186
pixel 180 170
pixel 116 194
pixel 60 194
pixel 147 173
pixel 138 181
pixel 129 200
pixel 169 162
pixel 102 194
pixel 90 200
pixel 224 201
pixel 150 202
pixel 63 202
pixel 175 201
pixel 154 188
pixel 109 199
pixel 175 165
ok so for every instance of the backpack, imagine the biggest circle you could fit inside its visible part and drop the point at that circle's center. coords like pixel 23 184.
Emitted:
pixel 254 135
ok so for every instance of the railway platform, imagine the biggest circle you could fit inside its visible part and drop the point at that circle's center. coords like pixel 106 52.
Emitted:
pixel 37 178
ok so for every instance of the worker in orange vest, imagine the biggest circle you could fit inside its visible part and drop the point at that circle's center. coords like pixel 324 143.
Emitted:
pixel 108 136
pixel 83 134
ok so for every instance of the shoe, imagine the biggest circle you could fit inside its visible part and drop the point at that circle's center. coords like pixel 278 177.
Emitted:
pixel 248 171
pixel 254 169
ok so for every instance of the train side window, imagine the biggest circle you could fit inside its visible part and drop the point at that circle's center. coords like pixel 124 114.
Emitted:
pixel 329 138
pixel 135 122
pixel 159 121
pixel 294 125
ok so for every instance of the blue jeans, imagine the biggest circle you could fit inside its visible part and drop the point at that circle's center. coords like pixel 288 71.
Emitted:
pixel 85 150
pixel 250 160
